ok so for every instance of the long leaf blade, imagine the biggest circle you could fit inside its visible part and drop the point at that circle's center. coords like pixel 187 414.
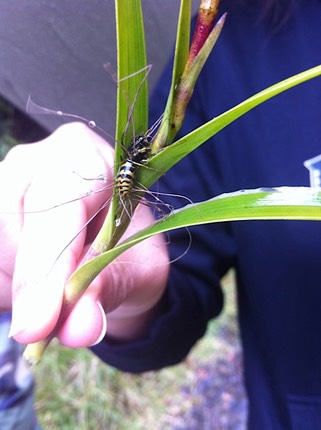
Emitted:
pixel 286 203
pixel 172 154
pixel 132 101
pixel 131 69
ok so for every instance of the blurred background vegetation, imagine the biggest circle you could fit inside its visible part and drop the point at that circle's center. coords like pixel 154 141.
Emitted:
pixel 75 390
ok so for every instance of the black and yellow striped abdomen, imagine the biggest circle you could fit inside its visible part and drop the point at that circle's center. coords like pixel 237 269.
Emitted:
pixel 138 154
pixel 125 178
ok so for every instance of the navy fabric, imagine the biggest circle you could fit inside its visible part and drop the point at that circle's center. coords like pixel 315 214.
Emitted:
pixel 16 384
pixel 277 263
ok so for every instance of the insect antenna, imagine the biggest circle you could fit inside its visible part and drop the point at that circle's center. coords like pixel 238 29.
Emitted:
pixel 35 109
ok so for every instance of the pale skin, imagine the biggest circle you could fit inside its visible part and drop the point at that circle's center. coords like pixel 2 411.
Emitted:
pixel 38 176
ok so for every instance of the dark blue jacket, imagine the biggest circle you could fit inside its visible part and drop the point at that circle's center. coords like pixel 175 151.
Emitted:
pixel 278 263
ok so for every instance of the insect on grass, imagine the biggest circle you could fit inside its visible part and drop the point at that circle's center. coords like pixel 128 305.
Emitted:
pixel 138 154
pixel 124 183
pixel 126 188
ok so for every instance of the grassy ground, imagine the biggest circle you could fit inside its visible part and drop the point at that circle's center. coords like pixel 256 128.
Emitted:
pixel 77 391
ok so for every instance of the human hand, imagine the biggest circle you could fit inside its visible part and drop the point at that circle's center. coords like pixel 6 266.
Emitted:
pixel 39 176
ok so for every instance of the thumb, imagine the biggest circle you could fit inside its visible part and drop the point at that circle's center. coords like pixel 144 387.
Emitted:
pixel 86 325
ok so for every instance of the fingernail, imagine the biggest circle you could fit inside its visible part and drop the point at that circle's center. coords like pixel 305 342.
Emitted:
pixel 104 328
pixel 15 331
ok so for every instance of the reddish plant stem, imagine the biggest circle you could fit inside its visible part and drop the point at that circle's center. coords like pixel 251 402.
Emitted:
pixel 205 21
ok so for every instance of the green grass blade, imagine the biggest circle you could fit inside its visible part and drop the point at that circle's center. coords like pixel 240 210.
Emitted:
pixel 286 203
pixel 180 57
pixel 182 40
pixel 132 102
pixel 170 155
pixel 131 58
